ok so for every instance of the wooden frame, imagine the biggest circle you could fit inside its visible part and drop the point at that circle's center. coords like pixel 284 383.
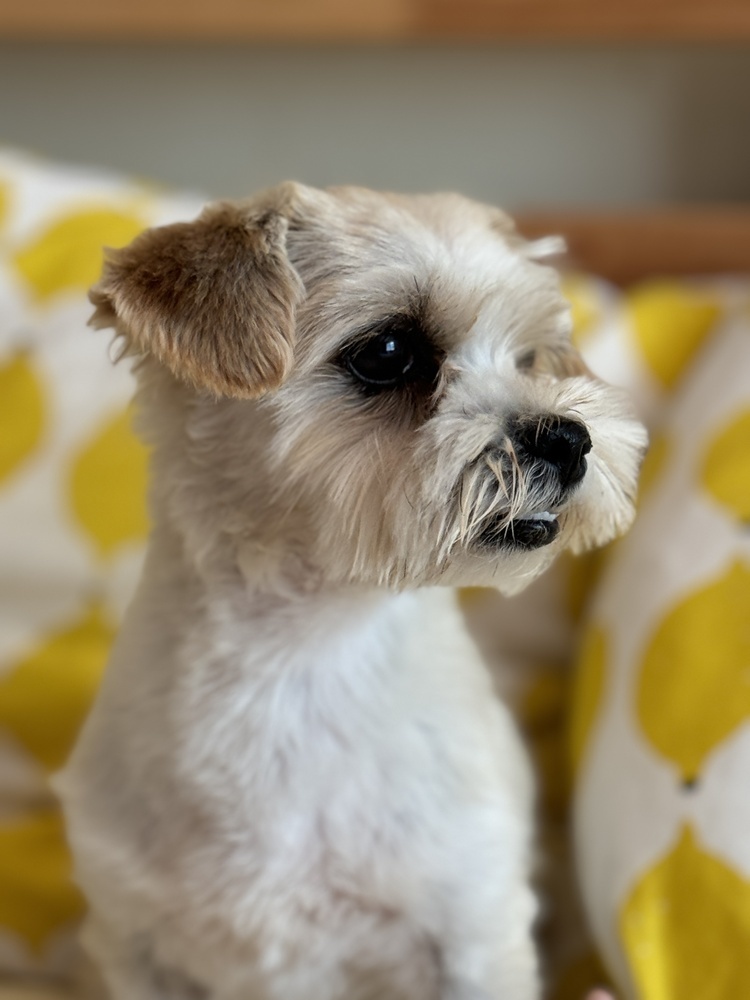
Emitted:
pixel 378 20
pixel 626 246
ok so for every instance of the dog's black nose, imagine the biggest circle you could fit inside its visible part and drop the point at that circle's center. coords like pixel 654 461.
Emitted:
pixel 562 443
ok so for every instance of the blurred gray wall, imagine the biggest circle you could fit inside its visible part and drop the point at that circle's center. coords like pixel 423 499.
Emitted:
pixel 517 125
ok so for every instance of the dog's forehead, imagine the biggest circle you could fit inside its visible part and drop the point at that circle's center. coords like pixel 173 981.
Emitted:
pixel 428 224
pixel 458 262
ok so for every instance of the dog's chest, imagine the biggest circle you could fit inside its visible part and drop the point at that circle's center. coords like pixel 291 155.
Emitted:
pixel 336 758
pixel 263 797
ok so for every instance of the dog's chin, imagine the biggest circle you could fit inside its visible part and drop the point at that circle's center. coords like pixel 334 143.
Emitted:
pixel 532 531
pixel 505 566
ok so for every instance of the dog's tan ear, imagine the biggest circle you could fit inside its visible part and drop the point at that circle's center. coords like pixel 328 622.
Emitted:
pixel 214 299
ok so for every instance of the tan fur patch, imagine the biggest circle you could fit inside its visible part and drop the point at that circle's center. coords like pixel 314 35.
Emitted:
pixel 213 299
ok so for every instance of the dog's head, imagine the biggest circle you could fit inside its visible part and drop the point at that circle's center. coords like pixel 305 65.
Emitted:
pixel 385 384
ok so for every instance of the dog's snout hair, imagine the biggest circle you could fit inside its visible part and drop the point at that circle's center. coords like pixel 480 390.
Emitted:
pixel 531 467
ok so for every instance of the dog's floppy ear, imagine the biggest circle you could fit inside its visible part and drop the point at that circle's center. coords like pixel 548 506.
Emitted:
pixel 214 299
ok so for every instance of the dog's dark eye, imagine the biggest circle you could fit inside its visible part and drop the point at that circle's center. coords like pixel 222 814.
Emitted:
pixel 385 360
pixel 526 361
pixel 395 354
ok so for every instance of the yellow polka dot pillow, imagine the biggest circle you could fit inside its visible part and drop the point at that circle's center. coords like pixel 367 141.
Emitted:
pixel 72 518
pixel 661 709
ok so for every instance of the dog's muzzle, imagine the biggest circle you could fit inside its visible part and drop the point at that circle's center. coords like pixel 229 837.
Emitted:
pixel 550 451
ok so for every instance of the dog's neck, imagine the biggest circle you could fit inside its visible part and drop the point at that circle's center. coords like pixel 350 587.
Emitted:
pixel 275 599
pixel 299 648
pixel 286 591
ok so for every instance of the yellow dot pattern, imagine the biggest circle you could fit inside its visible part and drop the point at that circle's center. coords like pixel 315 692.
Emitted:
pixel 108 486
pixel 670 322
pixel 44 697
pixel 582 575
pixel 694 684
pixel 542 712
pixel 683 919
pixel 22 413
pixel 588 692
pixel 726 467
pixel 69 456
pixel 67 255
pixel 657 456
pixel 671 746
pixel 38 897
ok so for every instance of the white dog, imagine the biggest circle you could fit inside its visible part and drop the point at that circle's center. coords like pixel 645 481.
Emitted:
pixel 297 783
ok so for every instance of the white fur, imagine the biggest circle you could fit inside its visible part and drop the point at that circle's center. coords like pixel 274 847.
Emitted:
pixel 297 783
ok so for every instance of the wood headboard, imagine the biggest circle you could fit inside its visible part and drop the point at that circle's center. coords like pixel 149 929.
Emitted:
pixel 625 246
pixel 378 20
